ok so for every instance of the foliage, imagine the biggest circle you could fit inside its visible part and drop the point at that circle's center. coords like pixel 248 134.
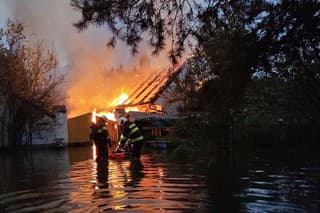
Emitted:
pixel 276 111
pixel 250 40
pixel 292 29
pixel 129 20
pixel 276 41
pixel 29 81
pixel 182 88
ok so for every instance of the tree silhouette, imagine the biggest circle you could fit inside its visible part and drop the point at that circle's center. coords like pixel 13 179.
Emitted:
pixel 29 82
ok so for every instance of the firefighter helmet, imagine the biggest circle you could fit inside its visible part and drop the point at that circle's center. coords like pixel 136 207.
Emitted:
pixel 123 120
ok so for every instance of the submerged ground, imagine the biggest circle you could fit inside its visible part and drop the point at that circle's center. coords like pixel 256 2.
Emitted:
pixel 260 180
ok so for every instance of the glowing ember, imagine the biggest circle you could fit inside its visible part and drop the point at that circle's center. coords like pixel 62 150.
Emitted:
pixel 132 109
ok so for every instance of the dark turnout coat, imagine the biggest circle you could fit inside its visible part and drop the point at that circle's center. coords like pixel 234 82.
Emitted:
pixel 100 136
pixel 133 135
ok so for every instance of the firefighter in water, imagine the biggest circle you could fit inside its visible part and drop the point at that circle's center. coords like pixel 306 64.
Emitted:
pixel 132 135
pixel 100 136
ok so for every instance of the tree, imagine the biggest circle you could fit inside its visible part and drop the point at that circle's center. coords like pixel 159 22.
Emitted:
pixel 284 28
pixel 29 81
pixel 238 39
pixel 183 85
pixel 292 29
pixel 130 20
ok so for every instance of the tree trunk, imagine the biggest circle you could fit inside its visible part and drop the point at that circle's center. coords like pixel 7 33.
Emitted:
pixel 30 136
pixel 2 136
pixel 10 131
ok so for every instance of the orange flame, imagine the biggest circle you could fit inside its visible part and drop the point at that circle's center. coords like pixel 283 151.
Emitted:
pixel 108 115
pixel 122 99
pixel 94 116
pixel 131 109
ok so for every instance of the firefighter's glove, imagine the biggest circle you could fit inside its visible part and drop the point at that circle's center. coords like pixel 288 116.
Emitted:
pixel 119 148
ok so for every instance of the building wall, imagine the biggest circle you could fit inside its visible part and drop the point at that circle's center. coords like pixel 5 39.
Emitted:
pixel 55 132
pixel 61 127
pixel 56 128
pixel 45 135
pixel 79 129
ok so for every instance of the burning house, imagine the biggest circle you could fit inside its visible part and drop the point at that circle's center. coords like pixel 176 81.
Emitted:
pixel 157 96
pixel 150 103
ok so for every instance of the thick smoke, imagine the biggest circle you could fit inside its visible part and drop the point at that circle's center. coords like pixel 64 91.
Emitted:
pixel 95 74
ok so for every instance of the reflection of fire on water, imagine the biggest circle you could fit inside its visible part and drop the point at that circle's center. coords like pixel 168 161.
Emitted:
pixel 118 178
pixel 94 151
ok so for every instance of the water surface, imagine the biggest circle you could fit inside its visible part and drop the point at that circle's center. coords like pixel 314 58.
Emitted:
pixel 70 180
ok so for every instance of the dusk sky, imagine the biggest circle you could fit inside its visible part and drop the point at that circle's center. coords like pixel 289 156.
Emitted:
pixel 86 51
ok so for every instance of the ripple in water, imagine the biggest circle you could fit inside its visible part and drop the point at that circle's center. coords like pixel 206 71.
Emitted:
pixel 71 181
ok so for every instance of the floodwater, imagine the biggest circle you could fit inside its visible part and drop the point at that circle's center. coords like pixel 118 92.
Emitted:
pixel 269 180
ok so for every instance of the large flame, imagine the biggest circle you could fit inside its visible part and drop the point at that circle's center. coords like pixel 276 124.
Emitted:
pixel 96 85
pixel 108 115
pixel 122 99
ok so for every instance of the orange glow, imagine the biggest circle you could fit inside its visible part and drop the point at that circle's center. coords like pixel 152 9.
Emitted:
pixel 94 152
pixel 132 109
pixel 120 207
pixel 122 99
pixel 94 114
pixel 109 115
pixel 94 84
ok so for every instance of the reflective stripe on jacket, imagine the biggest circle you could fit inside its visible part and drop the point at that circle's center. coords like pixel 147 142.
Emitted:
pixel 99 133
pixel 131 132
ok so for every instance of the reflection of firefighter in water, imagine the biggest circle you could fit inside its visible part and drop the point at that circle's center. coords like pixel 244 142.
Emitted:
pixel 100 136
pixel 102 180
pixel 131 174
pixel 102 174
pixel 136 173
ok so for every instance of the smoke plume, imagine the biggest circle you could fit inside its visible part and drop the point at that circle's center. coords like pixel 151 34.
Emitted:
pixel 95 73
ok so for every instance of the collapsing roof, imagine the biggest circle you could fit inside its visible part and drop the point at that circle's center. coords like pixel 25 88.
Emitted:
pixel 152 87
